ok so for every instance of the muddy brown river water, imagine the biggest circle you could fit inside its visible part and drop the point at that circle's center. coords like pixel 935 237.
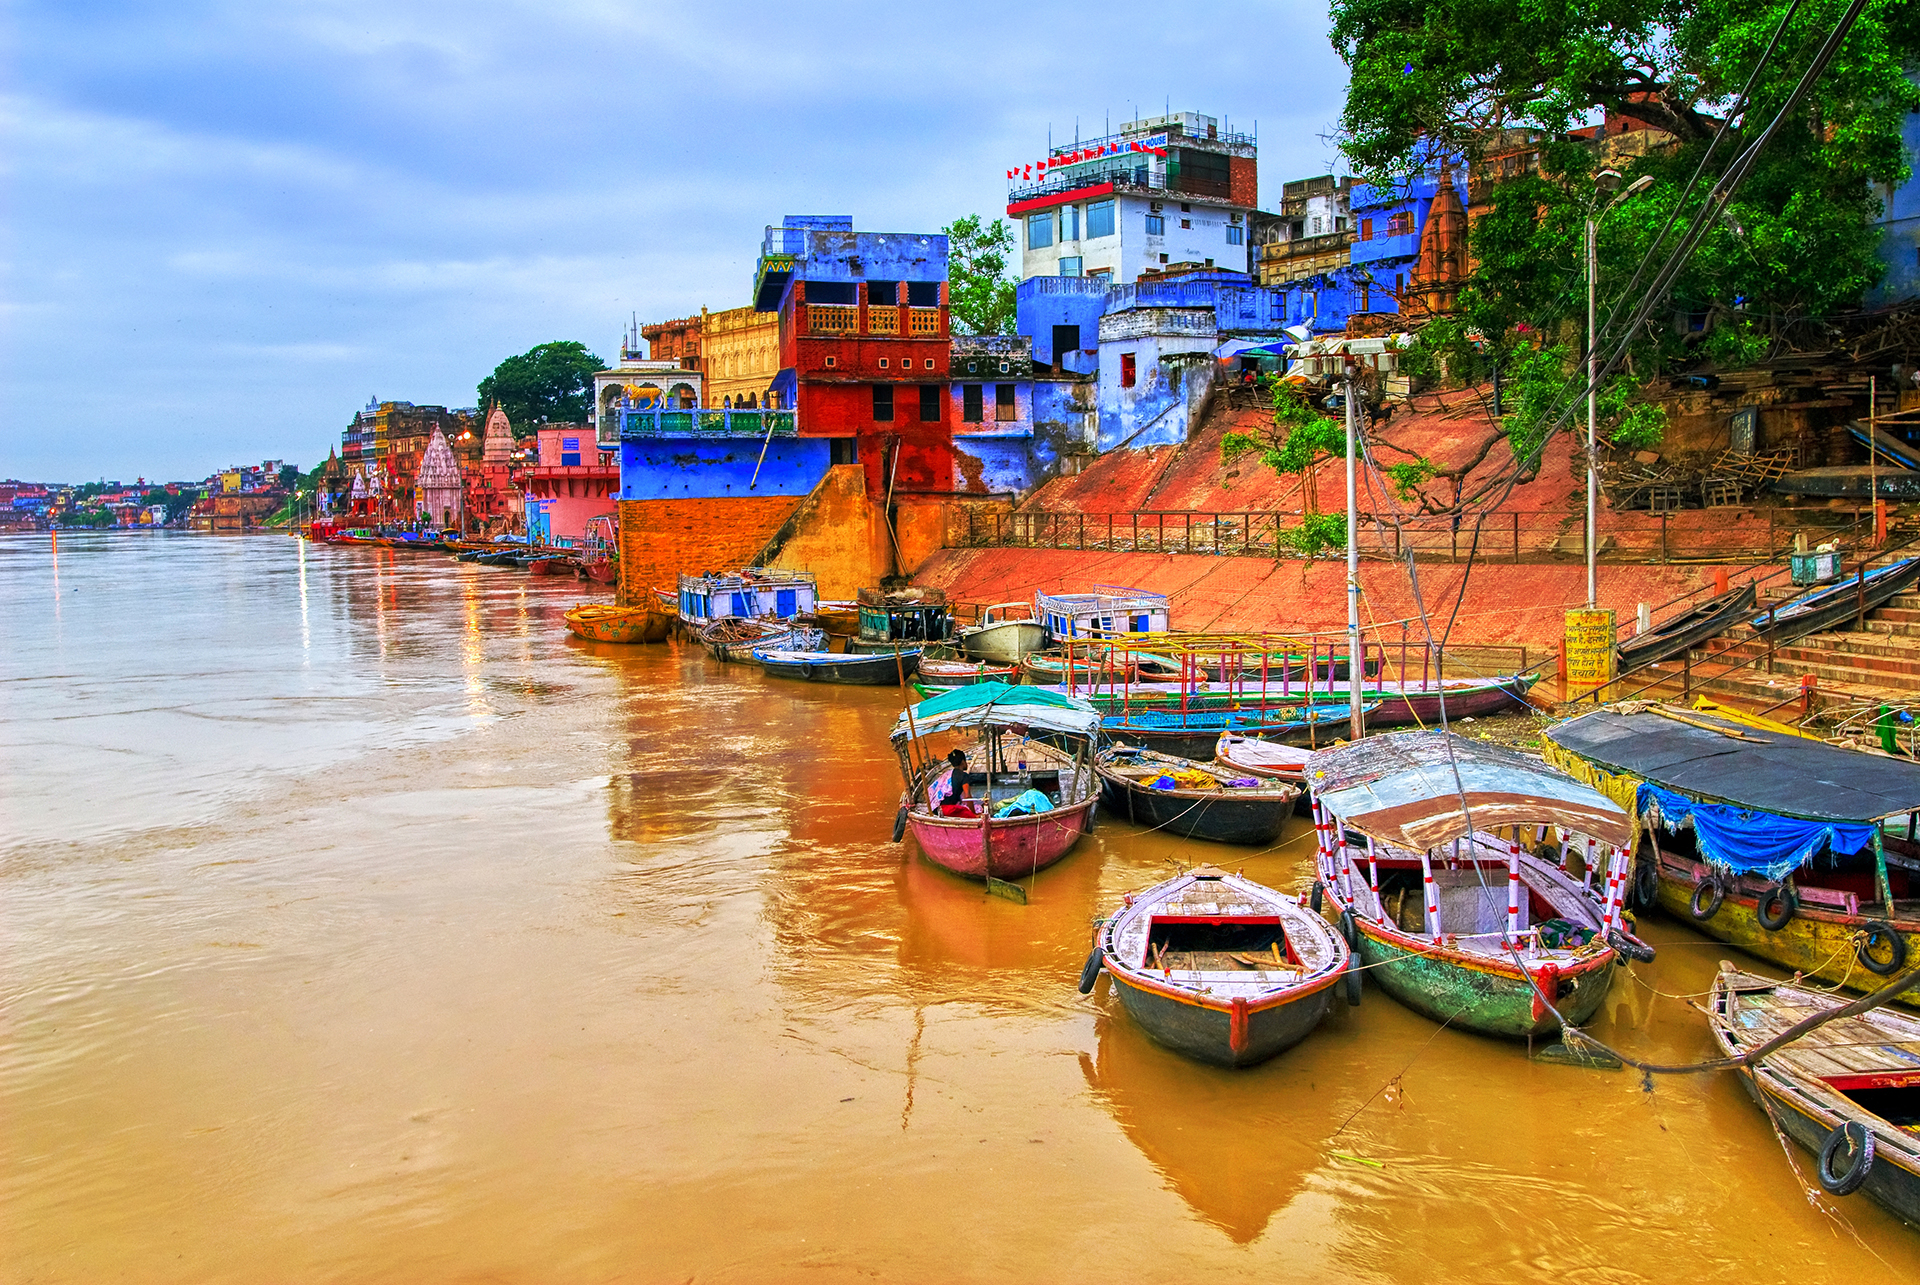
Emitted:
pixel 357 924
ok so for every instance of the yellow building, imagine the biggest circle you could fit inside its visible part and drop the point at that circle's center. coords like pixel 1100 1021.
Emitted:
pixel 230 483
pixel 740 351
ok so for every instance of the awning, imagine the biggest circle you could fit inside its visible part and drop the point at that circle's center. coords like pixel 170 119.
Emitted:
pixel 1716 760
pixel 999 705
pixel 1401 787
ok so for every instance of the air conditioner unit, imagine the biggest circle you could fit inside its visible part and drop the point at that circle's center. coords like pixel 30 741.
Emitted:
pixel 1154 207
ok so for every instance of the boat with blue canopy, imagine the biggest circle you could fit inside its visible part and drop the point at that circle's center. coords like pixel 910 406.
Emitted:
pixel 1800 852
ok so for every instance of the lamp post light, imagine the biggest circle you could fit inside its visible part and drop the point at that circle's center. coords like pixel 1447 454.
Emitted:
pixel 1604 181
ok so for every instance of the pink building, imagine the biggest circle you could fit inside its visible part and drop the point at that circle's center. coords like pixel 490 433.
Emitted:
pixel 573 481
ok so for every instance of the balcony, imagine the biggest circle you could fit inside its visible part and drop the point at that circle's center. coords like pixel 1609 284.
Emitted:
pixel 923 323
pixel 707 423
pixel 883 320
pixel 832 319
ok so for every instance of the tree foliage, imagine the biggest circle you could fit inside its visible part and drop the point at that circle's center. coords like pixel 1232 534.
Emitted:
pixel 980 287
pixel 551 383
pixel 1436 76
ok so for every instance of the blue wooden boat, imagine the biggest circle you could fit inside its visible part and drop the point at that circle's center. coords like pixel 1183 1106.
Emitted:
pixel 1830 606
pixel 1219 968
pixel 876 669
pixel 1192 734
pixel 1194 800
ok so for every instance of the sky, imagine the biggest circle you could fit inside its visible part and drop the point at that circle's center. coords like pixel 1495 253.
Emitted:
pixel 225 225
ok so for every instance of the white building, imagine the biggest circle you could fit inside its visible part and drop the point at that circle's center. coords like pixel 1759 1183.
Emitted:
pixel 1170 190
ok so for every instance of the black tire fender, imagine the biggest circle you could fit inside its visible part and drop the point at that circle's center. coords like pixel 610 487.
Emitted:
pixel 806 670
pixel 1626 948
pixel 900 823
pixel 1707 896
pixel 1319 895
pixel 1350 931
pixel 1780 896
pixel 1854 1138
pixel 1646 884
pixel 1878 929
pixel 1350 980
pixel 1090 971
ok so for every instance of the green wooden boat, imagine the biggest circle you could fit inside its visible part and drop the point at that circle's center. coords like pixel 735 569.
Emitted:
pixel 1435 852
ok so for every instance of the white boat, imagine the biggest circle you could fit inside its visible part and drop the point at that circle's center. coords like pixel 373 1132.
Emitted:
pixel 1006 633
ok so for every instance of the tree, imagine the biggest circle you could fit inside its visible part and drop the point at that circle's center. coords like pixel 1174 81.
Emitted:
pixel 1437 77
pixel 550 383
pixel 979 287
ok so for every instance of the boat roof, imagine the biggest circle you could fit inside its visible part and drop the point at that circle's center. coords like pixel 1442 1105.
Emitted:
pixel 1401 787
pixel 749 577
pixel 999 705
pixel 1104 597
pixel 1712 759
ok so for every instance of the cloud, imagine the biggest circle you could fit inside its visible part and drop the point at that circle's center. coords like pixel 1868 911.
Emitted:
pixel 227 223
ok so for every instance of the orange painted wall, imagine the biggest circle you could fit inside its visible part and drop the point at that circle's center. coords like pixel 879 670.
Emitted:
pixel 660 539
pixel 836 533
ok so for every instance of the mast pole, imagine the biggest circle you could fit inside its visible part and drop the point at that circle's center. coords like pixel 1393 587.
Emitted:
pixel 1355 668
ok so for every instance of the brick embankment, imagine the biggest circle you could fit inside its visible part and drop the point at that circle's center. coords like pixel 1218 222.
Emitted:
pixel 1503 604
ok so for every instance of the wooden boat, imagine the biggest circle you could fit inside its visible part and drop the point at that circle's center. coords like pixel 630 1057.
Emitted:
pixel 1770 841
pixel 900 618
pixel 1193 734
pixel 1004 764
pixel 1004 635
pixel 1219 968
pixel 1250 667
pixel 1496 938
pixel 1830 606
pixel 836 616
pixel 879 669
pixel 1687 630
pixel 755 593
pixel 1050 669
pixel 1849 1082
pixel 1105 612
pixel 734 638
pixel 1254 756
pixel 550 566
pixel 1194 800
pixel 942 673
pixel 600 622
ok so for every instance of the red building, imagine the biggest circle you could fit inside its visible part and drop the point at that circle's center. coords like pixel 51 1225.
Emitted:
pixel 864 347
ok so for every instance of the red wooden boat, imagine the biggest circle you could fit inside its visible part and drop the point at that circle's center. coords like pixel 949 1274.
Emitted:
pixel 1020 802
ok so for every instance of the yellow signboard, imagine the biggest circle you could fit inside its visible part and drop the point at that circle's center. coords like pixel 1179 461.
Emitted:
pixel 1589 649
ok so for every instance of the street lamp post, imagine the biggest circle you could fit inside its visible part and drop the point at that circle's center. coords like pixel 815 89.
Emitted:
pixel 1604 181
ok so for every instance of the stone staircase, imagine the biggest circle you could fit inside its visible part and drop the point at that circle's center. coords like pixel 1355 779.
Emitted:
pixel 1836 672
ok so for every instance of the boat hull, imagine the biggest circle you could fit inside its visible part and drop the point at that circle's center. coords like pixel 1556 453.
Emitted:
pixel 1475 993
pixel 1015 846
pixel 1204 1032
pixel 1891 1184
pixel 1398 709
pixel 838 667
pixel 1006 643
pixel 629 625
pixel 1708 620
pixel 1222 816
pixel 1816 942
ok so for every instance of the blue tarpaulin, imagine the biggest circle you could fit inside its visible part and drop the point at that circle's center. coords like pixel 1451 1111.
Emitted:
pixel 1749 842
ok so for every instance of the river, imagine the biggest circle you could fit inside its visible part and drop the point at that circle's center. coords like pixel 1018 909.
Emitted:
pixel 359 924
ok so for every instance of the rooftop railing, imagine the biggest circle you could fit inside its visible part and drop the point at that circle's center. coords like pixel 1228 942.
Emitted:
pixel 707 423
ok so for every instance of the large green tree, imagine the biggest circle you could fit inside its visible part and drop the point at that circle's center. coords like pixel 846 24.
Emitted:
pixel 1441 76
pixel 549 383
pixel 979 285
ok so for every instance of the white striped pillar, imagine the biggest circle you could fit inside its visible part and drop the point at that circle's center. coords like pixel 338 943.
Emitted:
pixel 1513 893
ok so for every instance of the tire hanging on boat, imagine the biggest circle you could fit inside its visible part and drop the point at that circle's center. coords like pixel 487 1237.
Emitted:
pixel 1855 1138
pixel 900 823
pixel 1090 973
pixel 1318 894
pixel 1780 896
pixel 1350 931
pixel 1707 896
pixel 1350 980
pixel 1876 929
pixel 1646 885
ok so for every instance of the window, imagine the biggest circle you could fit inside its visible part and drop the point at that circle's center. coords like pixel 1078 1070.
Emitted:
pixel 836 292
pixel 923 294
pixel 843 450
pixel 883 363
pixel 1186 223
pixel 1399 284
pixel 1400 223
pixel 1316 225
pixel 1069 223
pixel 1339 223
pixel 1099 219
pixel 832 361
pixel 883 403
pixel 929 363
pixel 1070 265
pixel 929 403
pixel 1126 370
pixel 1163 258
pixel 1156 225
pixel 1185 208
pixel 1003 407
pixel 1366 229
pixel 1039 230
pixel 1366 298
pixel 970 404
pixel 1236 236
pixel 883 294
pixel 1065 340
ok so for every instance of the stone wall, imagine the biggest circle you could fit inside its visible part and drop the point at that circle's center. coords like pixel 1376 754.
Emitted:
pixel 660 539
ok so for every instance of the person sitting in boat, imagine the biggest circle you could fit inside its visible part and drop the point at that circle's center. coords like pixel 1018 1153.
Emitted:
pixel 954 803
